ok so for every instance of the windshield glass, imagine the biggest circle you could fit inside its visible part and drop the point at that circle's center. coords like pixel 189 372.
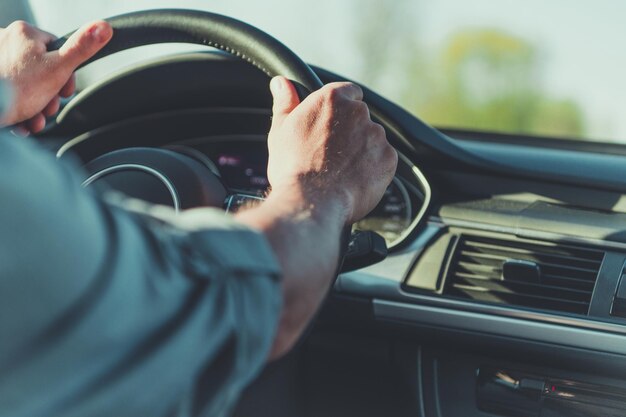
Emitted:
pixel 533 67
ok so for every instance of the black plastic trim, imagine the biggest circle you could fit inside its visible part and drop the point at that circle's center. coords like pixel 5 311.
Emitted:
pixel 602 341
pixel 535 141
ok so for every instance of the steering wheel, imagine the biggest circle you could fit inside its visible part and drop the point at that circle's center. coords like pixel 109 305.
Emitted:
pixel 167 176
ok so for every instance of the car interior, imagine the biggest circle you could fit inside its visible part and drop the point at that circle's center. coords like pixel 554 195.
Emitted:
pixel 493 284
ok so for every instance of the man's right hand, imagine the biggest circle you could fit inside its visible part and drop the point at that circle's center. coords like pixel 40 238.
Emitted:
pixel 329 166
pixel 327 147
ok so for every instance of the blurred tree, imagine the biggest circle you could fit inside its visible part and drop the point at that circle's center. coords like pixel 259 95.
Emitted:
pixel 481 79
pixel 490 80
pixel 559 118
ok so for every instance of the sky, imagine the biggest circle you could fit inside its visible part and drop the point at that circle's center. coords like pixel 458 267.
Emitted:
pixel 580 41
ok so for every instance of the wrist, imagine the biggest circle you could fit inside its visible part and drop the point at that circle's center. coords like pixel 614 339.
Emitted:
pixel 315 201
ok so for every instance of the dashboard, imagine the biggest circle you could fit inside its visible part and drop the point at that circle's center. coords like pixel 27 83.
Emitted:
pixel 517 265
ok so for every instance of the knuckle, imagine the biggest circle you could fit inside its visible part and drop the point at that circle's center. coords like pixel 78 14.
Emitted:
pixel 337 85
pixel 357 88
pixel 378 130
pixel 327 87
pixel 20 26
pixel 362 108
pixel 333 93
pixel 391 155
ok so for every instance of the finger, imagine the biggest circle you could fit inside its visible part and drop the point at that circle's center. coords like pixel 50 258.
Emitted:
pixel 20 130
pixel 83 44
pixel 69 87
pixel 53 107
pixel 285 99
pixel 346 89
pixel 36 123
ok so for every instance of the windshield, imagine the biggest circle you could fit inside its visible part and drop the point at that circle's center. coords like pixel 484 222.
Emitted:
pixel 533 67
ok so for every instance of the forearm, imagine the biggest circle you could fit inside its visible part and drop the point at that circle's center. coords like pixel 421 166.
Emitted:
pixel 305 238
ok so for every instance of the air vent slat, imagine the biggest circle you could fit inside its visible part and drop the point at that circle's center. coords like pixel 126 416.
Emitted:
pixel 528 289
pixel 479 267
pixel 500 254
pixel 517 300
pixel 565 280
pixel 511 294
pixel 563 250
pixel 569 281
pixel 555 281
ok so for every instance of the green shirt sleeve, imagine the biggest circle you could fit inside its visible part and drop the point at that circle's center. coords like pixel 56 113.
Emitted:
pixel 106 311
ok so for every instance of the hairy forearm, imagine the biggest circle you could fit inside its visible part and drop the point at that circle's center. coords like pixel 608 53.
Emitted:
pixel 305 237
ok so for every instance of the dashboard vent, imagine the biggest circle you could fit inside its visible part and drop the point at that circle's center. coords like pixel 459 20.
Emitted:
pixel 524 273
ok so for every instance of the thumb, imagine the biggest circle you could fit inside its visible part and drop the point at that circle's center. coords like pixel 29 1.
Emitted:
pixel 84 43
pixel 285 99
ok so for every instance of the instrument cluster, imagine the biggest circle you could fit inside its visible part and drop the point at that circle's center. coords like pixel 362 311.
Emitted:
pixel 242 165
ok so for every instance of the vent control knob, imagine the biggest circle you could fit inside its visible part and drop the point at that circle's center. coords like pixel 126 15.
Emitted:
pixel 521 271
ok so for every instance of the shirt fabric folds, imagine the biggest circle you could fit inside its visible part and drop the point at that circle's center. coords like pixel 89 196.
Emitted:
pixel 106 311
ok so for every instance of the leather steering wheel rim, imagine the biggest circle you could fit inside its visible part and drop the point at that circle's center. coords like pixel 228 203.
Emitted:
pixel 204 28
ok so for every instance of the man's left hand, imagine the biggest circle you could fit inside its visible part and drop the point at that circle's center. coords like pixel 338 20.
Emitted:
pixel 40 78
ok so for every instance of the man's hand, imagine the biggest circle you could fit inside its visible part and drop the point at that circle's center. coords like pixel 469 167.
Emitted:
pixel 329 166
pixel 328 147
pixel 41 78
